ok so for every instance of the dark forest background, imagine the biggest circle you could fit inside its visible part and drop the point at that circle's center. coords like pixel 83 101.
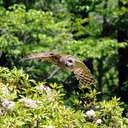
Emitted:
pixel 94 31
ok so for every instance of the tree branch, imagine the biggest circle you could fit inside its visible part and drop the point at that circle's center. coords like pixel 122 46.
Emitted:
pixel 53 73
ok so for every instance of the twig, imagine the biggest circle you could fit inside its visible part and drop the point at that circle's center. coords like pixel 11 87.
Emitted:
pixel 52 73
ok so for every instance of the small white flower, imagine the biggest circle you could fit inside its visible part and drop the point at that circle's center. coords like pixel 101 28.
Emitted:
pixel 5 91
pixel 41 88
pixel 38 101
pixel 99 121
pixel 91 114
pixel 48 91
pixel 8 104
pixel 45 89
pixel 30 103
pixel 51 98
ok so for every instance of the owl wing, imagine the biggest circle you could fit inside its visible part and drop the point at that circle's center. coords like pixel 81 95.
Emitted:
pixel 45 55
pixel 82 73
pixel 35 56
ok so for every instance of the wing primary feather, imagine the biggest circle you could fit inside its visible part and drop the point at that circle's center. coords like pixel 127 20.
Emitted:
pixel 34 56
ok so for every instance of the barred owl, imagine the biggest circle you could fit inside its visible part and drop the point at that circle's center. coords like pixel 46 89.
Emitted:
pixel 80 70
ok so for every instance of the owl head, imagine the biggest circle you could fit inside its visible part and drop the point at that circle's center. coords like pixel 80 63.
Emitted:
pixel 69 61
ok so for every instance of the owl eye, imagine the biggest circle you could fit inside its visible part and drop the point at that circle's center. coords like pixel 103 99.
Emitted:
pixel 70 61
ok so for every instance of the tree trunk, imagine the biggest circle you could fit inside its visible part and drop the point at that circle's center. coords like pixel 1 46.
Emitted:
pixel 100 76
pixel 122 67
pixel 123 55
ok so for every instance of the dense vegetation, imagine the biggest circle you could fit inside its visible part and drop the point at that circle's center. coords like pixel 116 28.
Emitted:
pixel 94 31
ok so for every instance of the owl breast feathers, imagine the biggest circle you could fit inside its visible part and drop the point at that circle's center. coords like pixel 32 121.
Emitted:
pixel 80 70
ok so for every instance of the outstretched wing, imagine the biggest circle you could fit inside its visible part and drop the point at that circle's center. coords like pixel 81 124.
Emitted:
pixel 44 55
pixel 82 73
pixel 35 56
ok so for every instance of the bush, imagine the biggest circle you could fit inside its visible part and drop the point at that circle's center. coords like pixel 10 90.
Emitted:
pixel 26 103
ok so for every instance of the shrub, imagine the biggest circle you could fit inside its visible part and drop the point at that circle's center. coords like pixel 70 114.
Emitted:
pixel 26 103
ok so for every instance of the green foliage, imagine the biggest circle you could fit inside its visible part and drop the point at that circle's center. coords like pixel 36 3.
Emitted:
pixel 36 105
pixel 50 110
pixel 112 112
pixel 84 29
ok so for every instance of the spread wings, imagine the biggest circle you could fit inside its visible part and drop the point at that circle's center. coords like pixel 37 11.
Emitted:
pixel 82 73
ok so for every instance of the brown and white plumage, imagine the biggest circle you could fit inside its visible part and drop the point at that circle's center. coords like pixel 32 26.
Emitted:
pixel 80 70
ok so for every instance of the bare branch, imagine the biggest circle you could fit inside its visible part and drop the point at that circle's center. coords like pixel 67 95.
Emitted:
pixel 53 73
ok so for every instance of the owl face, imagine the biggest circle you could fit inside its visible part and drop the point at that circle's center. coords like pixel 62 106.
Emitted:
pixel 69 61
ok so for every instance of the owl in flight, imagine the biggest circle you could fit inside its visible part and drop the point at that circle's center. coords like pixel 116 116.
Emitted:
pixel 80 70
